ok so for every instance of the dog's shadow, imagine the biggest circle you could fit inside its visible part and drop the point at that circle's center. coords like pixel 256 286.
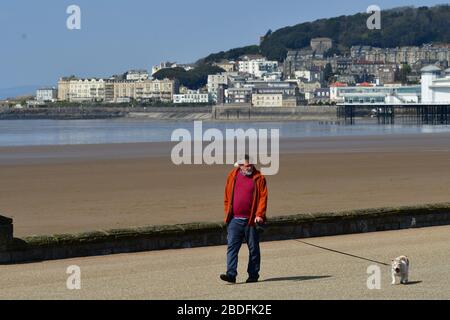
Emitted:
pixel 296 278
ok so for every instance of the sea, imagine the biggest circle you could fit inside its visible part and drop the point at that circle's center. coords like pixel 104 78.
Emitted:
pixel 125 130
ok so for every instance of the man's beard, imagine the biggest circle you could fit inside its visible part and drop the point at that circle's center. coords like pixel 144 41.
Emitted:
pixel 248 172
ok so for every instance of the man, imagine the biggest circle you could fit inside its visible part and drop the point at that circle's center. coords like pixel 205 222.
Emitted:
pixel 245 213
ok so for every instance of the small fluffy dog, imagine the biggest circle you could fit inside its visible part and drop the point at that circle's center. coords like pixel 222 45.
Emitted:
pixel 400 269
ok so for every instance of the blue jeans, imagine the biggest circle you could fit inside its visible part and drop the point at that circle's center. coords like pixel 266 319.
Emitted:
pixel 238 230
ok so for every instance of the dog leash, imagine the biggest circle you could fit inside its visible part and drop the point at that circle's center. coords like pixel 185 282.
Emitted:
pixel 340 252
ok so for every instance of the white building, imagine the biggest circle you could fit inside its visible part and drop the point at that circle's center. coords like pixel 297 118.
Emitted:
pixel 163 65
pixel 273 76
pixel 169 65
pixel 258 67
pixel 137 75
pixel 238 95
pixel 191 96
pixel 214 82
pixel 395 94
pixel 435 88
pixel 46 94
pixel 309 75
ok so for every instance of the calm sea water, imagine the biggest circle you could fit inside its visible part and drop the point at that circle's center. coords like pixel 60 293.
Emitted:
pixel 64 132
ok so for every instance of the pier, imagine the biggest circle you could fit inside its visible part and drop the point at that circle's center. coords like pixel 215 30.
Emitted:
pixel 417 113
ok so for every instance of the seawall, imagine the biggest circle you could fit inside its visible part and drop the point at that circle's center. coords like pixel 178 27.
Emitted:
pixel 219 113
pixel 103 242
pixel 172 113
pixel 246 113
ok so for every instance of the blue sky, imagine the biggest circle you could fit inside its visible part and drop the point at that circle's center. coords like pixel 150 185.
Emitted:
pixel 37 48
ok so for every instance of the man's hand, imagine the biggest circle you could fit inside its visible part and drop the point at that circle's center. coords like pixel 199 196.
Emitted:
pixel 259 220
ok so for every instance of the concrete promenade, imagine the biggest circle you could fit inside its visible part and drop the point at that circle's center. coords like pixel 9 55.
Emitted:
pixel 290 270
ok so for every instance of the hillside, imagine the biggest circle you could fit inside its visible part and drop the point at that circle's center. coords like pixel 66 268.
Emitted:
pixel 406 26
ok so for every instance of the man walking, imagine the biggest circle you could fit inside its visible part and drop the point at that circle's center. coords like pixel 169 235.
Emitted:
pixel 245 210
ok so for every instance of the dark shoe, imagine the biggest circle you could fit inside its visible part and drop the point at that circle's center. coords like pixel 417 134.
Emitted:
pixel 227 278
pixel 252 280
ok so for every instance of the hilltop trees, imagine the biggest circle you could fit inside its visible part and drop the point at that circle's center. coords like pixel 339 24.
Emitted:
pixel 406 26
pixel 193 79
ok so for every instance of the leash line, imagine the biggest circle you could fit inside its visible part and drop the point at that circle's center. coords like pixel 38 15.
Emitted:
pixel 340 252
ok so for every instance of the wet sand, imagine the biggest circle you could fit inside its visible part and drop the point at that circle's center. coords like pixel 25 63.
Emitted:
pixel 63 189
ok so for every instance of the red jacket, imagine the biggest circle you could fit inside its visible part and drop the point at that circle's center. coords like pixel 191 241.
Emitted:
pixel 259 205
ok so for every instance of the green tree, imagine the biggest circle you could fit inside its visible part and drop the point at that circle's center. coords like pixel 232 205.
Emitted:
pixel 328 73
pixel 402 74
pixel 193 79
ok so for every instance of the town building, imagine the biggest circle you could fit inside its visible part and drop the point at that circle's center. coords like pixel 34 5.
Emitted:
pixel 136 75
pixel 307 86
pixel 238 95
pixel 99 90
pixel 363 68
pixel 343 65
pixel 161 90
pixel 272 76
pixel 275 94
pixel 191 97
pixel 274 100
pixel 89 90
pixel 227 66
pixel 321 95
pixel 64 88
pixel 321 45
pixel 267 100
pixel 215 81
pixel 386 74
pixel 346 78
pixel 46 94
pixel 310 75
pixel 435 87
pixel 402 55
pixel 123 90
pixel 161 66
pixel 394 94
pixel 258 67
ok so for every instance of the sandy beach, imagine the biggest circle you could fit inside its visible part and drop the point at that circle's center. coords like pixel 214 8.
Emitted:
pixel 64 189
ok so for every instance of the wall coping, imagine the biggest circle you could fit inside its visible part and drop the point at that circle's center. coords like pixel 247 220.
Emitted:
pixel 161 231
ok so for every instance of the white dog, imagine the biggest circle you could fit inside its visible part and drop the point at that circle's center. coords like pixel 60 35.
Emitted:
pixel 400 268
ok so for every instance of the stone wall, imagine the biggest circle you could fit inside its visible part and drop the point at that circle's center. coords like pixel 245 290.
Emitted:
pixel 213 234
pixel 6 233
pixel 230 112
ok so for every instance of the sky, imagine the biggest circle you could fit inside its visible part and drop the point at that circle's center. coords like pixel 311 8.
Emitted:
pixel 37 47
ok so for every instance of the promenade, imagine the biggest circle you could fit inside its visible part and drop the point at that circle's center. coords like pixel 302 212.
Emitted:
pixel 290 270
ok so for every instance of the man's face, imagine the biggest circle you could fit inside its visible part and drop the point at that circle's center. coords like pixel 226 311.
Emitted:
pixel 246 168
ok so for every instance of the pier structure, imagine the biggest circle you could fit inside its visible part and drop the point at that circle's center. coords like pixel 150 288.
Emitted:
pixel 419 113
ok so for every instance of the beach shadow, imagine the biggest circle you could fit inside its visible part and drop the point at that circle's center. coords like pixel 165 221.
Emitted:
pixel 297 278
